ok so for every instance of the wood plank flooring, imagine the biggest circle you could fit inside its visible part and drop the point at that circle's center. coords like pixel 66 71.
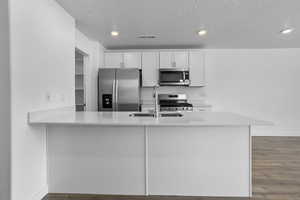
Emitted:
pixel 276 168
pixel 276 174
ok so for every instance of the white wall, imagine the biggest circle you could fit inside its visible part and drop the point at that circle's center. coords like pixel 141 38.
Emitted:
pixel 82 42
pixel 260 83
pixel 94 51
pixel 4 103
pixel 97 60
pixel 42 77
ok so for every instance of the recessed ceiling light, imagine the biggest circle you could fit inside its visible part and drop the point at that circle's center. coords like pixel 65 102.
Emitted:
pixel 114 33
pixel 286 31
pixel 202 32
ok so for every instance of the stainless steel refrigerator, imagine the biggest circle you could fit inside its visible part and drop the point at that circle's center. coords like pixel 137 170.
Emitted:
pixel 119 90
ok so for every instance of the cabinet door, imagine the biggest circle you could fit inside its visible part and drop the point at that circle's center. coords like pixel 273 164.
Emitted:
pixel 132 60
pixel 113 60
pixel 181 59
pixel 166 60
pixel 199 161
pixel 150 68
pixel 197 68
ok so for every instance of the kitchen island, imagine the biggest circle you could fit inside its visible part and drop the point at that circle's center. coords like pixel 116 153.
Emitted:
pixel 198 154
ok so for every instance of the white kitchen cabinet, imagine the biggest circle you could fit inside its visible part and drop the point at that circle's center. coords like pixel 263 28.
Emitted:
pixel 113 60
pixel 166 60
pixel 206 154
pixel 197 68
pixel 122 60
pixel 179 59
pixel 150 62
pixel 150 67
pixel 199 161
pixel 98 163
pixel 132 60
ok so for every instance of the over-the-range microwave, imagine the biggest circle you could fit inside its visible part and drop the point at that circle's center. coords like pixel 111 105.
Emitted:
pixel 174 77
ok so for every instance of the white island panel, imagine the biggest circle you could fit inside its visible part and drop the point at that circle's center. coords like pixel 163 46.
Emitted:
pixel 96 160
pixel 199 161
pixel 199 154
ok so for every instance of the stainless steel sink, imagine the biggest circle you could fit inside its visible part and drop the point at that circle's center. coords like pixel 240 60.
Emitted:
pixel 141 114
pixel 171 114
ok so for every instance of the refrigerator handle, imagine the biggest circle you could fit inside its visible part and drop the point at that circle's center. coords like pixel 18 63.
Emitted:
pixel 117 94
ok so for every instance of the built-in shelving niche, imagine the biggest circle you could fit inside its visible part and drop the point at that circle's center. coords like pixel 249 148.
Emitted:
pixel 79 82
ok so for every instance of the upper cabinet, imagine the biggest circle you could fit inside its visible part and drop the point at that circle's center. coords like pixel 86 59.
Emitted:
pixel 132 60
pixel 181 59
pixel 166 59
pixel 176 59
pixel 197 68
pixel 150 66
pixel 122 60
pixel 150 62
pixel 113 60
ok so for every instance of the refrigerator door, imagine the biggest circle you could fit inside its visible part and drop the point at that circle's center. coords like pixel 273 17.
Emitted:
pixel 106 90
pixel 128 90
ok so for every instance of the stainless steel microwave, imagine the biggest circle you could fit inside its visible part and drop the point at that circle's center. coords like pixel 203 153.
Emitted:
pixel 174 77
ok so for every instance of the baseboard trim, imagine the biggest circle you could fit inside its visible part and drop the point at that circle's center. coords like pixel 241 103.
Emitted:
pixel 135 197
pixel 40 194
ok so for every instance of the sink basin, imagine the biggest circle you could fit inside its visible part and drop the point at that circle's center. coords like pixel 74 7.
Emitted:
pixel 171 114
pixel 140 114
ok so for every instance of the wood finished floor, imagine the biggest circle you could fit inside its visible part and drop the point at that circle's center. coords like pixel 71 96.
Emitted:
pixel 276 174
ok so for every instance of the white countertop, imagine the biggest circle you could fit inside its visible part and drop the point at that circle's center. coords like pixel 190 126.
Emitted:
pixel 57 117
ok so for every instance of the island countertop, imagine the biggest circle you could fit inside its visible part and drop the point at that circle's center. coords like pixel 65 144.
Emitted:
pixel 173 156
pixel 57 117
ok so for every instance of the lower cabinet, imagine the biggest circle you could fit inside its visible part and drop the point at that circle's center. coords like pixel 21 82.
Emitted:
pixel 96 160
pixel 199 161
pixel 138 160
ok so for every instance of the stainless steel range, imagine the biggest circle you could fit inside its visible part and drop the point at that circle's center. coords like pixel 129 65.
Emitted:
pixel 174 102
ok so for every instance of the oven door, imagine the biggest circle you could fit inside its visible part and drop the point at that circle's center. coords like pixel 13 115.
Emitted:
pixel 173 77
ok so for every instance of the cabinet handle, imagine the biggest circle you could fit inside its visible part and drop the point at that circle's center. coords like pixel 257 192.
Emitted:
pixel 173 64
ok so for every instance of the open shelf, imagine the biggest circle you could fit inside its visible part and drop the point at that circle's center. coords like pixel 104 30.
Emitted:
pixel 79 82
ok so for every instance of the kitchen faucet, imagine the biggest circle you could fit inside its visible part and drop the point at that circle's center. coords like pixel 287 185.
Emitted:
pixel 156 106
